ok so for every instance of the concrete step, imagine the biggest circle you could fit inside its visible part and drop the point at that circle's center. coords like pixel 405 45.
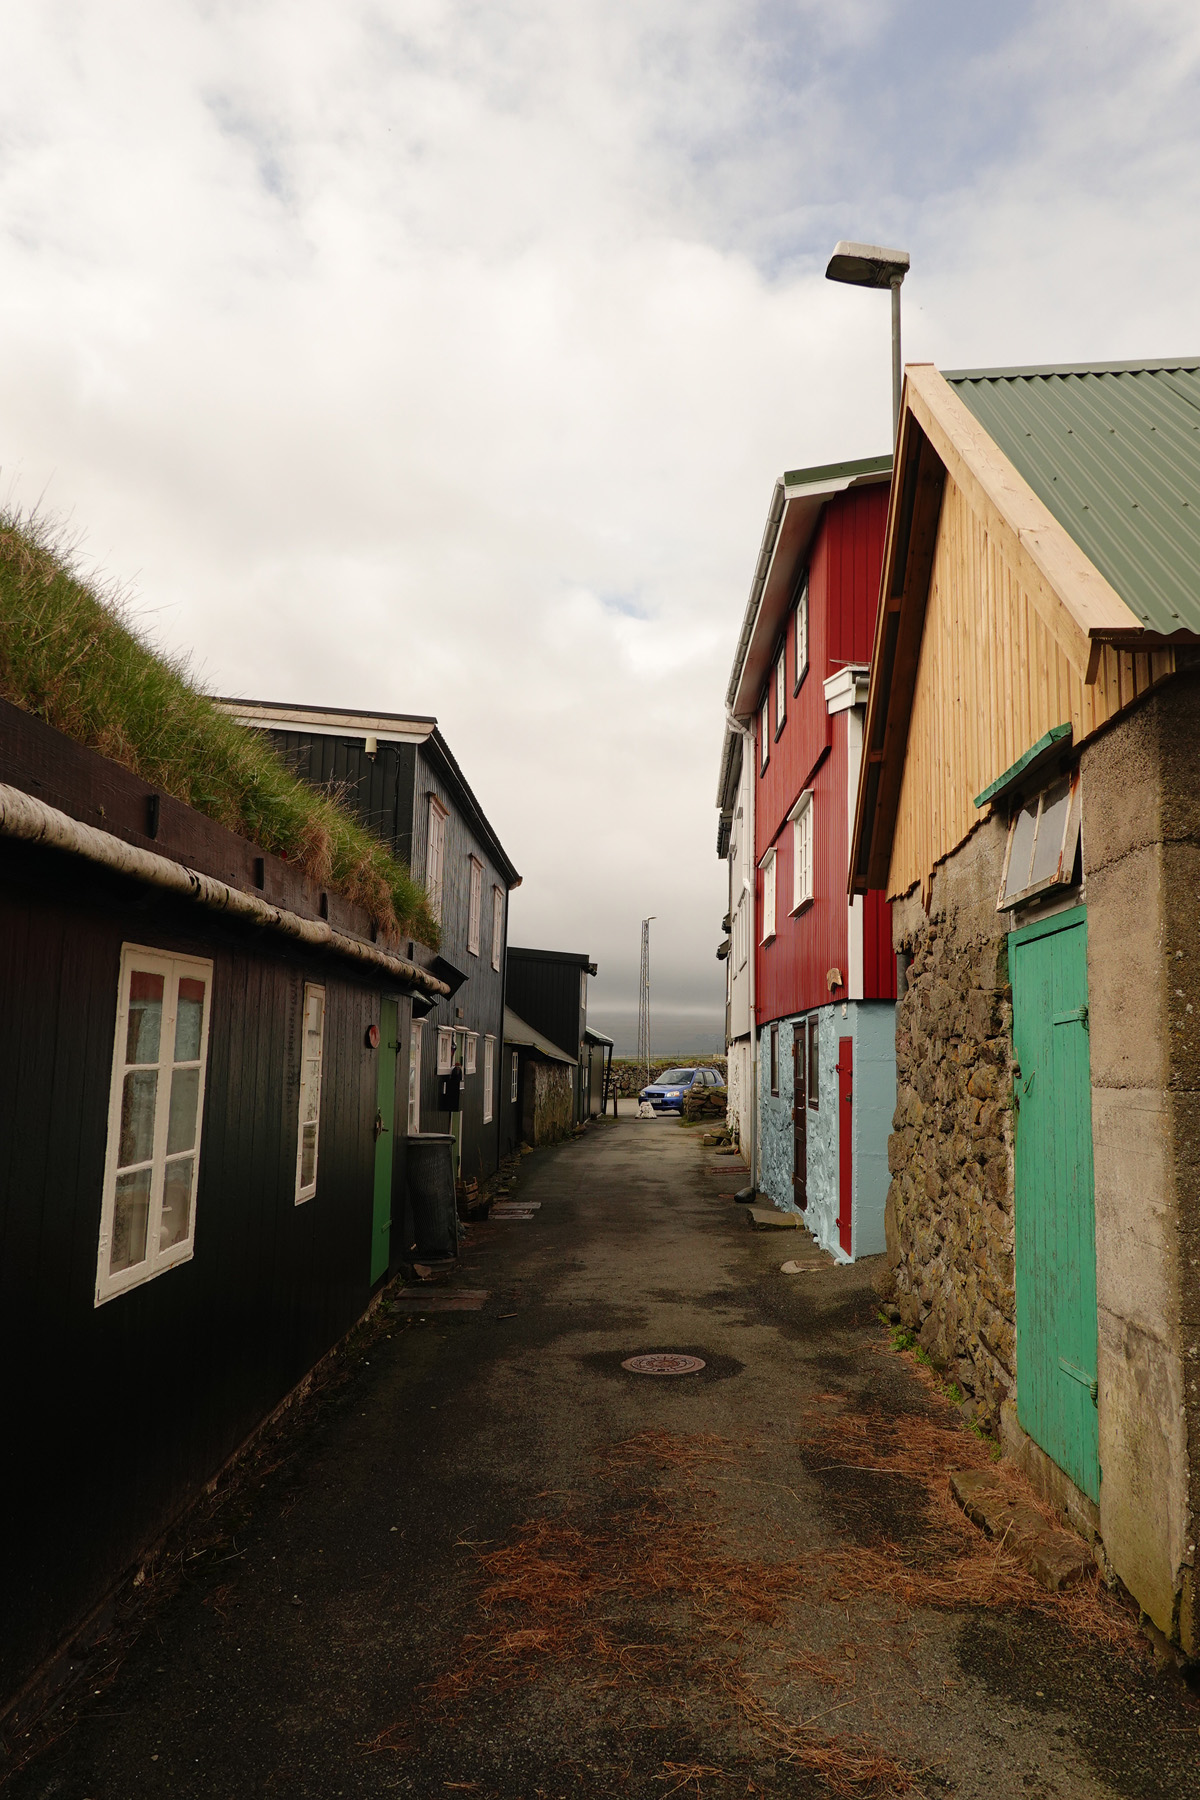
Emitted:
pixel 1053 1556
pixel 769 1218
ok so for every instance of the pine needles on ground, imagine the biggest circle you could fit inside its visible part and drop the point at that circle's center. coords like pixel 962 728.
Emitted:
pixel 68 655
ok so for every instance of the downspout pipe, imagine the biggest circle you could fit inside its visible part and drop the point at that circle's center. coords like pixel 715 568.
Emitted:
pixel 31 821
pixel 746 733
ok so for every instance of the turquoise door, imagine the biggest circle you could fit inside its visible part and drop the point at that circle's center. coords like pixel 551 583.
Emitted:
pixel 1055 1198
pixel 385 1127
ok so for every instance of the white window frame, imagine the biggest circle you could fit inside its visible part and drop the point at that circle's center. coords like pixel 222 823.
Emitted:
pixel 173 969
pixel 445 1049
pixel 801 817
pixel 801 615
pixel 471 1058
pixel 497 926
pixel 767 865
pixel 781 688
pixel 515 1078
pixel 489 1079
pixel 416 1043
pixel 475 907
pixel 435 855
pixel 764 733
pixel 309 1079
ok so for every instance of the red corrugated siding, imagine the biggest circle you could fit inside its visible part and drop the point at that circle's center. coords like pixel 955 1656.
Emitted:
pixel 792 969
pixel 879 961
pixel 843 587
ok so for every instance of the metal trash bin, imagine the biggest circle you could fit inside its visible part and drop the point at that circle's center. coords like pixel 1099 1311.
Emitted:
pixel 429 1173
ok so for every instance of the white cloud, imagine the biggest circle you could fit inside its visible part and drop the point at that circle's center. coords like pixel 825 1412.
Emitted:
pixel 443 355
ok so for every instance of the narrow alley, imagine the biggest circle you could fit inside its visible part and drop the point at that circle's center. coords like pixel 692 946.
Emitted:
pixel 493 1562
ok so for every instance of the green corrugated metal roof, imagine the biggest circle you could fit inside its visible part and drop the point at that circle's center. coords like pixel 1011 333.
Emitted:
pixel 1114 452
pixel 865 465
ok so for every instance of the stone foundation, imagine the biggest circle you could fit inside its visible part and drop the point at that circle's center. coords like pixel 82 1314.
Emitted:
pixel 949 1216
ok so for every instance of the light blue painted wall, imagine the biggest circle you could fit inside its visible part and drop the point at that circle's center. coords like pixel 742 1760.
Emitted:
pixel 871 1026
pixel 874 1104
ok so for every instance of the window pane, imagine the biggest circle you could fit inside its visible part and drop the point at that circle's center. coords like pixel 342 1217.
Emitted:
pixel 185 1098
pixel 814 1063
pixel 308 1154
pixel 177 1203
pixel 137 1117
pixel 1022 850
pixel 131 1213
pixel 311 1086
pixel 145 1016
pixel 1056 802
pixel 189 1020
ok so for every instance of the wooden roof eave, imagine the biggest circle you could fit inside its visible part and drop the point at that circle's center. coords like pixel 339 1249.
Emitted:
pixel 909 541
pixel 1074 600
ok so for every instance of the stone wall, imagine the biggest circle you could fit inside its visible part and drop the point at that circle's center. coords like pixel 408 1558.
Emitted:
pixel 553 1101
pixel 949 1213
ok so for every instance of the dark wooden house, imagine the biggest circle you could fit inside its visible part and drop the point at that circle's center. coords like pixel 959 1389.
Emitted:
pixel 548 990
pixel 199 1055
pixel 396 773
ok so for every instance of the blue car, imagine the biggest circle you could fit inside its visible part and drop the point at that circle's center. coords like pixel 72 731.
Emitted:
pixel 669 1091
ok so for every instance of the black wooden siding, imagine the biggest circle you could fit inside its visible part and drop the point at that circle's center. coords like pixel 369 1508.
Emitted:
pixel 378 789
pixel 545 989
pixel 480 999
pixel 116 1415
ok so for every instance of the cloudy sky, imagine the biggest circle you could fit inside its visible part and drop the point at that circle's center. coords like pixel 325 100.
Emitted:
pixel 442 354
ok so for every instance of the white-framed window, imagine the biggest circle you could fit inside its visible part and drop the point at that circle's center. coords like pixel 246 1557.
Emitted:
pixel 470 1064
pixel 802 852
pixel 155 1111
pixel 781 688
pixel 497 926
pixel 801 633
pixel 312 1049
pixel 767 865
pixel 475 908
pixel 764 733
pixel 416 1039
pixel 445 1060
pixel 435 855
pixel 489 1078
pixel 515 1076
pixel 1042 839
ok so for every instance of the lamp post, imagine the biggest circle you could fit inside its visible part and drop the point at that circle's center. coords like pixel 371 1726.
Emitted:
pixel 871 266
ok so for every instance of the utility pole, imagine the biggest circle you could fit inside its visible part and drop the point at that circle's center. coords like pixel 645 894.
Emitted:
pixel 643 1048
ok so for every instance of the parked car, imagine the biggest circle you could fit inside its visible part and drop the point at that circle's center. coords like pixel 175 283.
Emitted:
pixel 673 1085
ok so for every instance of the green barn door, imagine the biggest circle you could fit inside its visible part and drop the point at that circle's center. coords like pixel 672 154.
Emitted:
pixel 1056 1216
pixel 385 1137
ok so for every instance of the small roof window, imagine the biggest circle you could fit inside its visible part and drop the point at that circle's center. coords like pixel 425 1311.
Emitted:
pixel 1042 841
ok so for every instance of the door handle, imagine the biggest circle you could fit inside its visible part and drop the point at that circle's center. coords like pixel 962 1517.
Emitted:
pixel 380 1127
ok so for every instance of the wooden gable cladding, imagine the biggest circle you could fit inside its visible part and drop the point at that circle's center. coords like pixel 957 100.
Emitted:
pixel 991 678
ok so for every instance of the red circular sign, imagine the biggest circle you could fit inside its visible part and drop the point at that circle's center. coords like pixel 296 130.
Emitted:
pixel 372 1037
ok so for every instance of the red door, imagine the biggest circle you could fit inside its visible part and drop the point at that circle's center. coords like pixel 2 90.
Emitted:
pixel 845 1075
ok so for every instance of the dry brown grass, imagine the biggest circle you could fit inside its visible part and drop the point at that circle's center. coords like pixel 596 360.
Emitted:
pixel 957 1567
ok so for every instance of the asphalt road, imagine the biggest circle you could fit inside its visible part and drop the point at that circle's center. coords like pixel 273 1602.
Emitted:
pixel 490 1562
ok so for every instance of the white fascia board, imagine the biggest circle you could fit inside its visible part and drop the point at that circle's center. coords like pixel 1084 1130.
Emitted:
pixel 849 687
pixel 330 724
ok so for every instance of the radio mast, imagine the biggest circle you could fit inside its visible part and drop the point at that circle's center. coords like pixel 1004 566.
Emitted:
pixel 643 1048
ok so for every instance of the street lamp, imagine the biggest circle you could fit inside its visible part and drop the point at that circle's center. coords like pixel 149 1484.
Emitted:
pixel 870 266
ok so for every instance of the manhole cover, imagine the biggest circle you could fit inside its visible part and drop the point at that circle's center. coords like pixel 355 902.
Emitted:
pixel 663 1362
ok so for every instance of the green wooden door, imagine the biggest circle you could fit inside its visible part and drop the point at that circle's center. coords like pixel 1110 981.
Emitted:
pixel 1055 1198
pixel 385 1137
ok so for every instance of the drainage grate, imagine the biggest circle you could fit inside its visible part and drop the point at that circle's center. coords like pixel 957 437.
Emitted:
pixel 663 1362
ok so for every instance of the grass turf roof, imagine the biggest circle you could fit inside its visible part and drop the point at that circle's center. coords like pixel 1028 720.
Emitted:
pixel 68 655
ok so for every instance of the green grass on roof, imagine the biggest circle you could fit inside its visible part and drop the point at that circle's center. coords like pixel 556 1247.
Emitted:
pixel 68 655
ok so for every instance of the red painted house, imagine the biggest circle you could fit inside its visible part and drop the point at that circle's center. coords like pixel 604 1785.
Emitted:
pixel 821 1010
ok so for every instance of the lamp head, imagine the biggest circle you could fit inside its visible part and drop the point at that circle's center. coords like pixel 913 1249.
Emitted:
pixel 867 265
